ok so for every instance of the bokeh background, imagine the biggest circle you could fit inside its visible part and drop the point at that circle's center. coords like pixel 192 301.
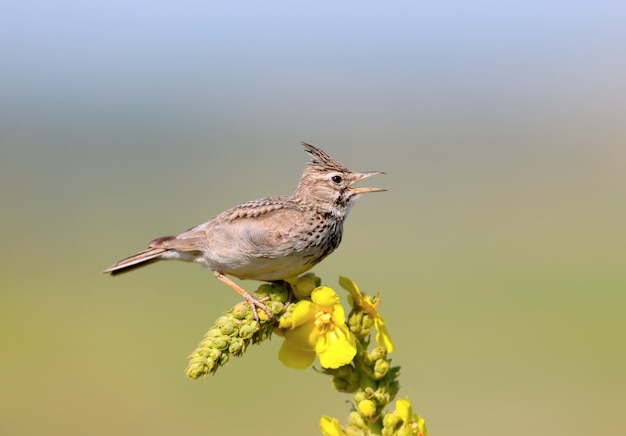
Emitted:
pixel 499 249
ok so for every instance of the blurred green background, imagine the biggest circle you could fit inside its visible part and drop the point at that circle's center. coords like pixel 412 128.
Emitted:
pixel 499 249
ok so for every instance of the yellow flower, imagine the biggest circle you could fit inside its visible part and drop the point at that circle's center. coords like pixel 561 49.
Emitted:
pixel 318 327
pixel 412 423
pixel 368 306
pixel 331 427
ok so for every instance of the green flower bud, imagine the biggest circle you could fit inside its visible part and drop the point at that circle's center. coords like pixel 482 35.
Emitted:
pixel 197 369
pixel 361 324
pixel 213 333
pixel 223 360
pixel 391 423
pixel 276 307
pixel 275 291
pixel 246 331
pixel 214 355
pixel 265 290
pixel 360 396
pixel 220 343
pixel 368 322
pixel 354 322
pixel 236 347
pixel 242 311
pixel 378 353
pixel 381 396
pixel 356 420
pixel 223 320
pixel 381 368
pixel 229 328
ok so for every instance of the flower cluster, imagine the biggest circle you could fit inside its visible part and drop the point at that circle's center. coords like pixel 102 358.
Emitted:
pixel 400 422
pixel 403 422
pixel 314 324
pixel 317 327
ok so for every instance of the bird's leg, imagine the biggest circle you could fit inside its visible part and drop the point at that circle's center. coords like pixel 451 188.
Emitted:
pixel 290 294
pixel 253 302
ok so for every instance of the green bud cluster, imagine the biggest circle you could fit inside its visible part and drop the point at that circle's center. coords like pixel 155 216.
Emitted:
pixel 235 330
pixel 371 379
pixel 361 324
pixel 394 424
pixel 391 424
pixel 375 363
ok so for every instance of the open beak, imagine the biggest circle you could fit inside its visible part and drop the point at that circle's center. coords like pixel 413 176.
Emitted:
pixel 361 176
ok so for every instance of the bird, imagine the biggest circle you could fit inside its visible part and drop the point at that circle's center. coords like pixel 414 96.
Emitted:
pixel 269 239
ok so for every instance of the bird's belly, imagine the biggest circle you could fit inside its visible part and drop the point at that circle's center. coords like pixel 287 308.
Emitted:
pixel 264 269
pixel 268 256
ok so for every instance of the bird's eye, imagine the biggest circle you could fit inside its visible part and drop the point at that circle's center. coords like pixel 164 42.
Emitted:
pixel 336 179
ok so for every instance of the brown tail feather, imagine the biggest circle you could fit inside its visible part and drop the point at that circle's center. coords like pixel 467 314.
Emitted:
pixel 138 260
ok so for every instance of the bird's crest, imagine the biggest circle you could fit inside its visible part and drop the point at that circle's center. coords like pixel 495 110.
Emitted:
pixel 320 158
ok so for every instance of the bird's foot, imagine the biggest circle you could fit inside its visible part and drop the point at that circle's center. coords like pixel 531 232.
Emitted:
pixel 254 303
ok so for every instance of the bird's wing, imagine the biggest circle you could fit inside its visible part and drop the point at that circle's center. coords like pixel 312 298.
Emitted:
pixel 273 235
pixel 260 228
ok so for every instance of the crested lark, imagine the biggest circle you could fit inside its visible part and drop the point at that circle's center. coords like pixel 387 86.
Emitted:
pixel 269 239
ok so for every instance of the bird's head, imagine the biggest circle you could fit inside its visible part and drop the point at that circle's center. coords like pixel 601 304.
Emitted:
pixel 328 184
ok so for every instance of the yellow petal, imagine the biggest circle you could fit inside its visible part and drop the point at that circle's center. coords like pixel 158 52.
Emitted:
pixel 360 300
pixel 382 335
pixel 304 336
pixel 404 409
pixel 295 357
pixel 369 307
pixel 303 312
pixel 331 427
pixel 336 348
pixel 351 287
pixel 339 316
